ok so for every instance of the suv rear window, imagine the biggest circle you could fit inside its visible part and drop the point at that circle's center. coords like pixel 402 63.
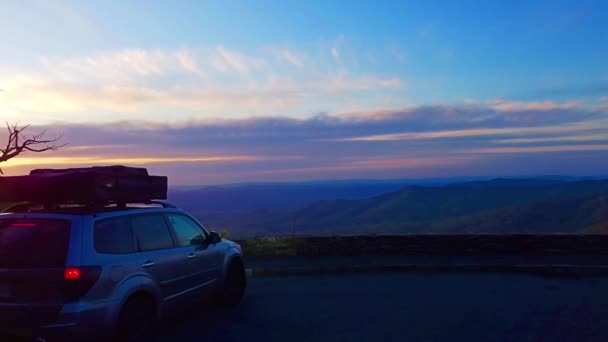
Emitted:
pixel 34 243
pixel 114 236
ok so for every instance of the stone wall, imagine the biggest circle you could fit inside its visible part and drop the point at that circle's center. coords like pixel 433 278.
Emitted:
pixel 427 245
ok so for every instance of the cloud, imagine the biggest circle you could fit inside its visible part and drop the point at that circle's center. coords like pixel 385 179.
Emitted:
pixel 472 132
pixel 371 165
pixel 108 160
pixel 596 88
pixel 341 83
pixel 219 114
pixel 189 62
pixel 290 57
pixel 511 106
pixel 188 82
pixel 280 95
pixel 567 138
pixel 48 97
pixel 479 113
pixel 122 65
pixel 226 60
pixel 336 54
pixel 507 106
pixel 601 107
pixel 421 141
pixel 539 149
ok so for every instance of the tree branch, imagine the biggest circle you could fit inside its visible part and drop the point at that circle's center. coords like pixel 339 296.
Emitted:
pixel 32 143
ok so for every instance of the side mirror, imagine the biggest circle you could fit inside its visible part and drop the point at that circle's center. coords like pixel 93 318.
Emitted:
pixel 198 241
pixel 214 237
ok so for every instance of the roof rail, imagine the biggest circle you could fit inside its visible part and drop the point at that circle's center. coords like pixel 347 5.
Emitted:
pixel 164 204
pixel 16 207
pixel 89 207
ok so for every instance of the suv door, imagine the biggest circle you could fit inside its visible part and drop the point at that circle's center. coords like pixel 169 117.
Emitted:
pixel 204 259
pixel 157 254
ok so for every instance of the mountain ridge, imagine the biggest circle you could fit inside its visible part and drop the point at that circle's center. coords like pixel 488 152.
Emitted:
pixel 416 209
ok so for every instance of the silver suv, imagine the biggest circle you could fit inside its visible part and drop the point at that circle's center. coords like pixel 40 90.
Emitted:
pixel 81 273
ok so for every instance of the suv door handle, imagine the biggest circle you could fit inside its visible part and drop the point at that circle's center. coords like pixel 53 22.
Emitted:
pixel 191 256
pixel 148 264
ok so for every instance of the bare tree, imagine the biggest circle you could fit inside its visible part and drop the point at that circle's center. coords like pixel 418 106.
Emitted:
pixel 19 142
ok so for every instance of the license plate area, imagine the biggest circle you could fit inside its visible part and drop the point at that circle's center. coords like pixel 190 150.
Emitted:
pixel 5 291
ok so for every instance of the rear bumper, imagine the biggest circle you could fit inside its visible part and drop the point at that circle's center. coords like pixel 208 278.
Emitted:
pixel 73 321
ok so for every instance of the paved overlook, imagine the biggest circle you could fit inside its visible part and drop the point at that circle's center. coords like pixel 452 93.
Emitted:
pixel 406 307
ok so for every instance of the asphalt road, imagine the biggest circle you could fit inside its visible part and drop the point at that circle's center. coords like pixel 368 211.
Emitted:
pixel 406 307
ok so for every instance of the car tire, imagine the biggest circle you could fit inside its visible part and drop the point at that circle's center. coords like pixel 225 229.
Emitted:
pixel 137 320
pixel 235 283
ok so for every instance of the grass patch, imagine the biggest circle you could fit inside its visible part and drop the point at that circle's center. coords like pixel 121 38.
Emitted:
pixel 271 246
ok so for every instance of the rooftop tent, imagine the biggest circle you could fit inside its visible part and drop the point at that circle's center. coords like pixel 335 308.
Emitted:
pixel 111 184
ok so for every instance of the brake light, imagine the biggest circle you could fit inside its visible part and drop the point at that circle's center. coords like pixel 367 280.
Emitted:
pixel 72 273
pixel 22 224
pixel 79 280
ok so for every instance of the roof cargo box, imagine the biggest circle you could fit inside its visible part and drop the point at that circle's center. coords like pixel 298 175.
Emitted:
pixel 111 184
pixel 117 170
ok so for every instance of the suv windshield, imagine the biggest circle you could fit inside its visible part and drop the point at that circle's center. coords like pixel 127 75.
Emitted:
pixel 34 243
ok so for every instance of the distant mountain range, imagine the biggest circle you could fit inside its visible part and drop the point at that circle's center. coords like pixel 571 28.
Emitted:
pixel 245 197
pixel 253 196
pixel 538 205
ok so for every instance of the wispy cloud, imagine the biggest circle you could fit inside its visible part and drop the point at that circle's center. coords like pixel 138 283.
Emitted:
pixel 280 95
pixel 538 149
pixel 341 83
pixel 335 53
pixel 275 112
pixel 371 165
pixel 415 141
pixel 290 57
pixel 115 66
pixel 568 138
pixel 507 106
pixel 225 60
pixel 602 107
pixel 189 62
pixel 468 133
pixel 108 160
pixel 188 82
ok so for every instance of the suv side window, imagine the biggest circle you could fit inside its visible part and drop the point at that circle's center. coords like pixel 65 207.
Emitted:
pixel 151 232
pixel 114 236
pixel 187 232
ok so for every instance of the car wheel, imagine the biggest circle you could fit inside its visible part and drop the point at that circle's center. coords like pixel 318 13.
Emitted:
pixel 234 285
pixel 137 320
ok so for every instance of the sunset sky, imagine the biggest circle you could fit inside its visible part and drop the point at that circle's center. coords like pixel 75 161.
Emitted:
pixel 228 91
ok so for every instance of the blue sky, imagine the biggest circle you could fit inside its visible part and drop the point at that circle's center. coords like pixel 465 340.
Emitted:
pixel 312 90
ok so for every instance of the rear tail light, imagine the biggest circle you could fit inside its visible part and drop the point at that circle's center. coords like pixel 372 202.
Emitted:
pixel 79 280
pixel 23 224
pixel 72 273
